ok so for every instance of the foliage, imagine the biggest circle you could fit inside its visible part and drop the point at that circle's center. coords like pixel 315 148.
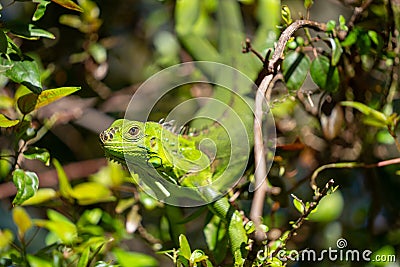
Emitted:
pixel 334 97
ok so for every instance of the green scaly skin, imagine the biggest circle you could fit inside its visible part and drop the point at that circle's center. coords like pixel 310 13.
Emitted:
pixel 179 159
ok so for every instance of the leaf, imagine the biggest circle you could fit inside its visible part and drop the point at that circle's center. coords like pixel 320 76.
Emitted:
pixel 65 231
pixel 133 259
pixel 41 196
pixel 98 52
pixel 63 182
pixel 6 237
pixel 41 154
pixel 40 9
pixel 184 247
pixel 69 4
pixel 29 102
pixel 198 256
pixel 38 262
pixel 30 32
pixel 295 68
pixel 324 75
pixel 329 208
pixel 26 72
pixel 286 15
pixel 351 38
pixel 330 25
pixel 373 115
pixel 216 238
pixel 91 193
pixel 3 42
pixel 5 122
pixel 336 51
pixel 27 184
pixel 298 204
pixel 21 220
pixel 308 3
pixel 84 258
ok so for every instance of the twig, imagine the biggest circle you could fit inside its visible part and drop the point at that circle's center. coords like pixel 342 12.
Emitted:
pixel 357 12
pixel 303 217
pixel 260 173
pixel 342 165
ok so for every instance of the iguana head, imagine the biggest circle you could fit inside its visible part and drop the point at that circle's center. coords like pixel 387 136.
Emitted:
pixel 124 136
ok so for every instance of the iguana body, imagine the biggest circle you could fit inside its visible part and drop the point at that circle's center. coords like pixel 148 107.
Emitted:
pixel 154 150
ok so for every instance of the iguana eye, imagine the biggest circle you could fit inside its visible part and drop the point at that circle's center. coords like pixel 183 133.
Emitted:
pixel 134 131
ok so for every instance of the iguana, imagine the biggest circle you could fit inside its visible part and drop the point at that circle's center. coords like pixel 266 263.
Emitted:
pixel 195 161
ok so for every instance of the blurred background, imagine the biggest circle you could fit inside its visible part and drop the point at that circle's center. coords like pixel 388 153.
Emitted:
pixel 114 46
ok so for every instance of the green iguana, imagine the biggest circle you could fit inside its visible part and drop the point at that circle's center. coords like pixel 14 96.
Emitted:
pixel 202 162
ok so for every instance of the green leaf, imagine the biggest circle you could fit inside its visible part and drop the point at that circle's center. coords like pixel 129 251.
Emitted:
pixel 65 231
pixel 330 26
pixel 299 205
pixel 329 208
pixel 324 75
pixel 198 256
pixel 29 102
pixel 38 153
pixel 3 42
pixel 215 233
pixel 84 258
pixel 184 247
pixel 26 72
pixel 21 220
pixel 336 51
pixel 63 182
pixel 90 193
pixel 342 23
pixel 374 116
pixel 5 122
pixel 374 37
pixel 38 262
pixel 69 4
pixel 308 3
pixel 41 196
pixel 295 68
pixel 98 52
pixel 286 15
pixel 40 9
pixel 27 184
pixel 30 32
pixel 351 38
pixel 133 259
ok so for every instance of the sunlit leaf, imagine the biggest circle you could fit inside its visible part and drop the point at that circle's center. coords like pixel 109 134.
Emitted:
pixel 21 220
pixel 29 102
pixel 90 193
pixel 69 4
pixel 65 231
pixel 184 247
pixel 373 115
pixel 308 3
pixel 198 256
pixel 286 14
pixel 41 154
pixel 40 9
pixel 38 262
pixel 27 184
pixel 84 258
pixel 351 38
pixel 134 259
pixel 295 67
pixel 98 52
pixel 30 32
pixel 325 75
pixel 216 238
pixel 41 196
pixel 63 182
pixel 6 237
pixel 298 205
pixel 336 51
pixel 26 72
pixel 5 122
